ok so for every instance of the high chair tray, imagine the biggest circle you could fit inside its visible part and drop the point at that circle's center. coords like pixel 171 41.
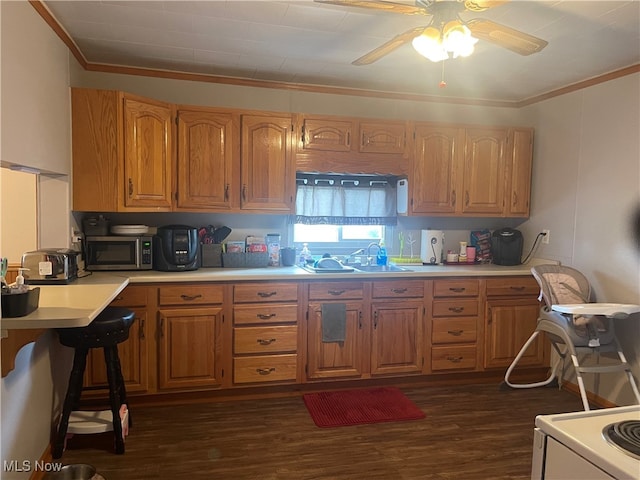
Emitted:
pixel 606 309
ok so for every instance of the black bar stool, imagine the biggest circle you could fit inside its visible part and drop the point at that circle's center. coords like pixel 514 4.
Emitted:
pixel 108 329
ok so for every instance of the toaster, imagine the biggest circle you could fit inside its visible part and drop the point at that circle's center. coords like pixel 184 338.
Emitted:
pixel 50 266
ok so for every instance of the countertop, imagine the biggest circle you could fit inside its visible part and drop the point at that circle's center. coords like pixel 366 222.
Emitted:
pixel 77 304
pixel 72 305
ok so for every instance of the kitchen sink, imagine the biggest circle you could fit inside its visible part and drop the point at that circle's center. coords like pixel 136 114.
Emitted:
pixel 380 268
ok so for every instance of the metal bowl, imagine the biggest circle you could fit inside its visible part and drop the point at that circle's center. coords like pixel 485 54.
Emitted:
pixel 78 471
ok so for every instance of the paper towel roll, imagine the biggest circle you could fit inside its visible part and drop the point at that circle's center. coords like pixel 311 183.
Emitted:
pixel 431 246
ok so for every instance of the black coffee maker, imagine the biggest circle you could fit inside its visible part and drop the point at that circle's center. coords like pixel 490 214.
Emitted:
pixel 506 246
pixel 175 248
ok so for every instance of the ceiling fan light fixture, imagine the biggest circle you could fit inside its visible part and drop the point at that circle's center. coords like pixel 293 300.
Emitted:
pixel 453 40
pixel 429 45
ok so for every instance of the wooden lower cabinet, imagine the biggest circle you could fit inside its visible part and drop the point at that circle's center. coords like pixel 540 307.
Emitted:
pixel 511 316
pixel 188 348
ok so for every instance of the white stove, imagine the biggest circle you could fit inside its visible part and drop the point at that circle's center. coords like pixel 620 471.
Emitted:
pixel 574 446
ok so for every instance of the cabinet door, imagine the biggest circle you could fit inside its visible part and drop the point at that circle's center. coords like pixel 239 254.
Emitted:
pixel 335 359
pixel 383 137
pixel 326 135
pixel 484 171
pixel 509 324
pixel 187 348
pixel 267 169
pixel 436 164
pixel 521 155
pixel 147 154
pixel 205 159
pixel 397 338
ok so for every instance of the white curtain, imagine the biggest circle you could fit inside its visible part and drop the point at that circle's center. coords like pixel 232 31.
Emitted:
pixel 346 205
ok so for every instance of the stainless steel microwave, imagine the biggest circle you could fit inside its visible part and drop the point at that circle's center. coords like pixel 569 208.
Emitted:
pixel 113 252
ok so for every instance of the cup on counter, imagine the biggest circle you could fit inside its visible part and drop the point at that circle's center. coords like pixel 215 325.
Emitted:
pixel 452 257
pixel 288 256
pixel 471 254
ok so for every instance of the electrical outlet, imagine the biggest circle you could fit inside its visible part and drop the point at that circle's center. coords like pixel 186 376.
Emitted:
pixel 547 234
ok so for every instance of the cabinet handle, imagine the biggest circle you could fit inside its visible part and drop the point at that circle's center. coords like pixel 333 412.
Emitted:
pixel 118 298
pixel 141 331
pixel 359 320
pixel 466 198
pixel 398 290
pixel 130 187
pixel 265 371
pixel 267 294
pixel 244 192
pixel 455 333
pixel 457 289
pixel 515 198
pixel 348 139
pixel 302 134
pixel 265 316
pixel 190 297
pixel 454 359
pixel 456 309
pixel 161 327
pixel 375 320
pixel 453 198
pixel 226 192
pixel 335 292
pixel 517 287
pixel 266 342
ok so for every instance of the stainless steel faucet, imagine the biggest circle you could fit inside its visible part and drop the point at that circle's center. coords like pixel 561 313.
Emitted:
pixel 369 257
pixel 357 252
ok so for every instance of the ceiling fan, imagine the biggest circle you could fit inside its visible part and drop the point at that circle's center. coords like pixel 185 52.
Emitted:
pixel 444 20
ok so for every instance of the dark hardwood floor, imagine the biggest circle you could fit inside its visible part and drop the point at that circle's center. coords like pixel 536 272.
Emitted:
pixel 470 432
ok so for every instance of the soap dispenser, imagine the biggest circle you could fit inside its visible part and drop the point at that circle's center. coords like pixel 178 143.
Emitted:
pixel 381 259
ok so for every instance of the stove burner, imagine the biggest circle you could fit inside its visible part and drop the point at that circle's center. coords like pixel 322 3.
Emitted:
pixel 625 435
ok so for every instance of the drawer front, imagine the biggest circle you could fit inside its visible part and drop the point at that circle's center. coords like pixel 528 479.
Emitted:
pixel 267 313
pixel 404 289
pixel 456 308
pixel 266 368
pixel 453 358
pixel 456 288
pixel 512 286
pixel 335 290
pixel 191 294
pixel 249 340
pixel 265 292
pixel 131 297
pixel 454 330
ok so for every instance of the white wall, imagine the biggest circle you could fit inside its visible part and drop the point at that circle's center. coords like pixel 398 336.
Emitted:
pixel 586 186
pixel 36 132
pixel 19 202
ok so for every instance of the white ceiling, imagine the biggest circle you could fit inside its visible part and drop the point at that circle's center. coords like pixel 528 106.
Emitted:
pixel 310 43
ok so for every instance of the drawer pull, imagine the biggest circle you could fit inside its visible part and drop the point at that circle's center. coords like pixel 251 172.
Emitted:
pixel 517 287
pixel 455 333
pixel 190 297
pixel 265 316
pixel 266 342
pixel 141 331
pixel 454 359
pixel 456 309
pixel 335 292
pixel 457 289
pixel 265 371
pixel 267 294
pixel 119 298
pixel 398 290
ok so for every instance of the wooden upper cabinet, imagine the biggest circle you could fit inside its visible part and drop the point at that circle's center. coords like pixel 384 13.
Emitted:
pixel 207 142
pixel 267 169
pixel 147 154
pixel 520 162
pixel 383 137
pixel 484 171
pixel 96 119
pixel 326 135
pixel 435 169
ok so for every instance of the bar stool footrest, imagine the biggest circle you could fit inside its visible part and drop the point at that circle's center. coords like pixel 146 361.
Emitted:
pixel 86 422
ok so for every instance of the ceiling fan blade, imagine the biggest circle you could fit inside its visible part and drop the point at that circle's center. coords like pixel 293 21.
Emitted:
pixel 482 5
pixel 378 5
pixel 388 47
pixel 503 36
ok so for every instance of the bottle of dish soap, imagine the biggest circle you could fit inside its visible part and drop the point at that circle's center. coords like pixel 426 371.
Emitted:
pixel 305 254
pixel 381 259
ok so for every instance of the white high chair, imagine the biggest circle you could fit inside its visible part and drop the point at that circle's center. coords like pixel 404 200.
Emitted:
pixel 583 328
